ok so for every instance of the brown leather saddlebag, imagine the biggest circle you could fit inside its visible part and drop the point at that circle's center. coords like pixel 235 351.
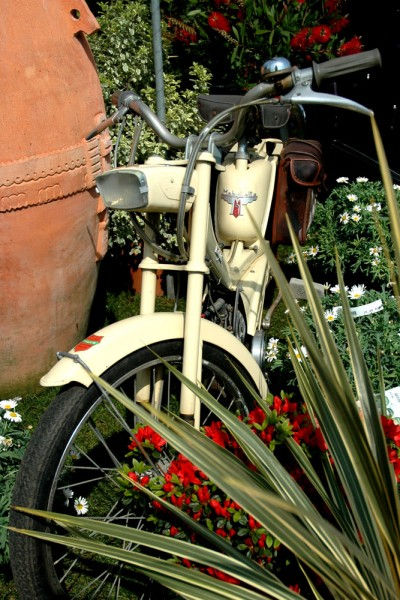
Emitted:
pixel 300 174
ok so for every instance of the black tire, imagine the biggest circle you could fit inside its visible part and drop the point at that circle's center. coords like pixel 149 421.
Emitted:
pixel 49 472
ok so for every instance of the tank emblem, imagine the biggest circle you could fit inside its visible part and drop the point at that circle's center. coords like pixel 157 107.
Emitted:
pixel 237 201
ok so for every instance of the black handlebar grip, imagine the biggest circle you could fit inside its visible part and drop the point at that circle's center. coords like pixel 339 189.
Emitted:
pixel 336 67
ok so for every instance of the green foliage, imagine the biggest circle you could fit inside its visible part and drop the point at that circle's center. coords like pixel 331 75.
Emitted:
pixel 378 334
pixel 123 54
pixel 123 48
pixel 243 34
pixel 13 440
pixel 354 219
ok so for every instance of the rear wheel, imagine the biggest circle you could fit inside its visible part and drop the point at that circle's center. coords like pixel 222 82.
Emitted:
pixel 77 452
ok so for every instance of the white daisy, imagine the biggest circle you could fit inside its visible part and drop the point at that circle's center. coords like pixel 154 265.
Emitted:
pixel 271 355
pixel 361 179
pixel 357 291
pixel 356 217
pixel 329 315
pixel 74 454
pixel 81 505
pixel 327 286
pixel 375 261
pixel 11 415
pixel 272 343
pixel 357 208
pixel 344 218
pixel 342 180
pixel 313 251
pixel 335 289
pixel 6 442
pixel 291 258
pixel 396 186
pixel 375 250
pixel 352 197
pixel 9 404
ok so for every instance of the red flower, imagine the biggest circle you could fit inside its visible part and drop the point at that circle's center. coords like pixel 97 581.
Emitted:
pixel 391 430
pixel 222 2
pixel 177 501
pixel 303 39
pixel 331 5
pixel 220 510
pixel 173 531
pixel 322 34
pixel 215 432
pixel 261 541
pixel 353 46
pixel 186 36
pixel 184 470
pixel 144 480
pixel 221 532
pixel 168 487
pixel 216 20
pixel 339 24
pixel 203 494
pixel 268 434
pixel 295 588
pixel 146 434
pixel 133 476
pixel 256 416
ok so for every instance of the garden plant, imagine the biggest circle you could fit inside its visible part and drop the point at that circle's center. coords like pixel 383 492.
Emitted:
pixel 342 527
pixel 299 497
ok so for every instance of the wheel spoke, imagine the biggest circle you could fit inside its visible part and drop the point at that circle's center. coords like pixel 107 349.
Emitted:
pixel 95 452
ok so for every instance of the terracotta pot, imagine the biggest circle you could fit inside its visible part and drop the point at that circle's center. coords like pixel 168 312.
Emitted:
pixel 52 222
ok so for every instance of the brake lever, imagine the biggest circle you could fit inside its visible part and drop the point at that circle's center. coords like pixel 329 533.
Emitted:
pixel 301 93
pixel 117 116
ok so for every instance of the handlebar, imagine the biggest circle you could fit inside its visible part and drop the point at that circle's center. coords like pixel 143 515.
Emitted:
pixel 335 67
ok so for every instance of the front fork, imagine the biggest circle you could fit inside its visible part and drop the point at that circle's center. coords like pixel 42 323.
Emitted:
pixel 196 269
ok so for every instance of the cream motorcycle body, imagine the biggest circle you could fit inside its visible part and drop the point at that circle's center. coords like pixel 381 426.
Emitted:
pixel 244 188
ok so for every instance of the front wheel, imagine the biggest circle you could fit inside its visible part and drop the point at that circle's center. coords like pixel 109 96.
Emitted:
pixel 72 465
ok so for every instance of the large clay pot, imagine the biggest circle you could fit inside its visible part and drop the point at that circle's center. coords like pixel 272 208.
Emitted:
pixel 52 221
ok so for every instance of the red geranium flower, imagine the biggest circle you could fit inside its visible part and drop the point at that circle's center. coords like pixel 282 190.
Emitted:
pixel 146 434
pixel 257 416
pixel 392 431
pixel 203 494
pixel 321 34
pixel 215 432
pixel 353 46
pixel 217 20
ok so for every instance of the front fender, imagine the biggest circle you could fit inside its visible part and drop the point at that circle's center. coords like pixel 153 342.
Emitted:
pixel 110 344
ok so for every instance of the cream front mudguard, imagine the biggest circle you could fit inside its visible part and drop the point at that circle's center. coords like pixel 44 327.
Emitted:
pixel 112 343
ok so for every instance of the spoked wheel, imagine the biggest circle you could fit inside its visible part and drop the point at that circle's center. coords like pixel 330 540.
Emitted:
pixel 73 463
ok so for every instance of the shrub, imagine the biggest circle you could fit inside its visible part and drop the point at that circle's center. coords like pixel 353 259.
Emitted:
pixel 378 333
pixel 354 219
pixel 124 56
pixel 243 34
pixel 13 440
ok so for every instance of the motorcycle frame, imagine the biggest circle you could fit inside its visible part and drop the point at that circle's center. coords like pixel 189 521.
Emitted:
pixel 236 266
